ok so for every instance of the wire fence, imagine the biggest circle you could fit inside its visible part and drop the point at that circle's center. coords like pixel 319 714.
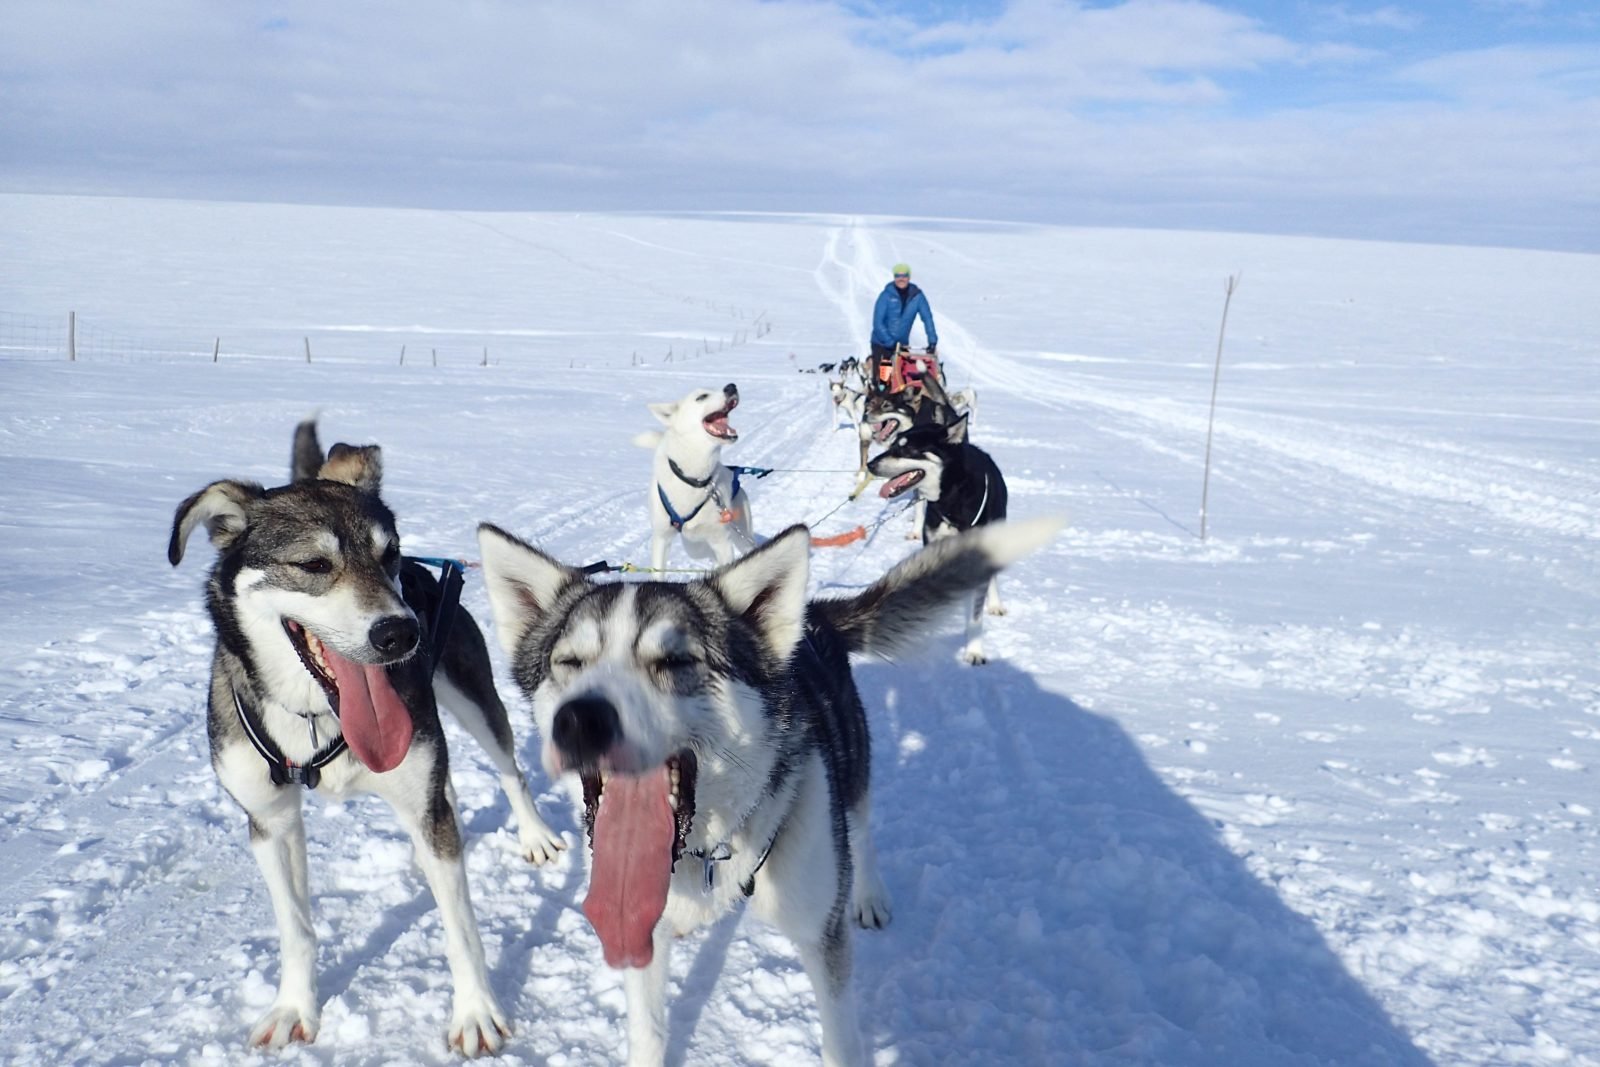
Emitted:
pixel 32 337
pixel 69 336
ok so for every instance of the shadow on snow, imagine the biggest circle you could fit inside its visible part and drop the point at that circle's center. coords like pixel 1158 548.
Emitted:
pixel 1056 903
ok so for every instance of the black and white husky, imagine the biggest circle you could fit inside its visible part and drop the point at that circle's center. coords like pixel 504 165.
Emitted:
pixel 719 746
pixel 888 415
pixel 691 493
pixel 322 678
pixel 963 490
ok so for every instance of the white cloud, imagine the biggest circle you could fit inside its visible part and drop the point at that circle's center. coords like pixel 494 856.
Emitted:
pixel 1160 110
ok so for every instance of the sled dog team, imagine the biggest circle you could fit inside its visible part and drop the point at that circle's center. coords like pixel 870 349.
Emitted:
pixel 709 732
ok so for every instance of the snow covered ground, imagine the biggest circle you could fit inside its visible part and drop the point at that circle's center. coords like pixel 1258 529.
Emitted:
pixel 1318 790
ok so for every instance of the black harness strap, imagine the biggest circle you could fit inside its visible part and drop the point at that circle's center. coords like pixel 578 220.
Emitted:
pixel 451 579
pixel 698 483
pixel 282 770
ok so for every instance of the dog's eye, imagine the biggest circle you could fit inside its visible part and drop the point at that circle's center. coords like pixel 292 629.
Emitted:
pixel 703 396
pixel 676 661
pixel 566 661
pixel 315 565
pixel 391 556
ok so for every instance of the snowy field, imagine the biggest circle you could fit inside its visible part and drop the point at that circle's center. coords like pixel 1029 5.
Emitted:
pixel 1318 790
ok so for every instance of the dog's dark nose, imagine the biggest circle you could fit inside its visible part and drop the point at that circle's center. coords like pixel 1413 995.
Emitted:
pixel 394 635
pixel 586 728
pixel 730 391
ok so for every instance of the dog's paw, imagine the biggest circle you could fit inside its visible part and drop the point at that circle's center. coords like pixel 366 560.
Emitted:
pixel 282 1024
pixel 995 609
pixel 913 535
pixel 540 845
pixel 478 1026
pixel 872 909
pixel 973 656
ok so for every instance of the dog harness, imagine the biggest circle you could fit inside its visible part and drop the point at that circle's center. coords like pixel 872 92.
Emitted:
pixel 982 503
pixel 679 521
pixel 285 771
pixel 710 857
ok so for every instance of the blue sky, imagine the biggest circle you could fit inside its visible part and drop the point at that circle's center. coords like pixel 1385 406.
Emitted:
pixel 1469 122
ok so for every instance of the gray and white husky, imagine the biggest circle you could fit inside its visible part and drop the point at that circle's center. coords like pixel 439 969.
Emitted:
pixel 691 493
pixel 715 738
pixel 322 678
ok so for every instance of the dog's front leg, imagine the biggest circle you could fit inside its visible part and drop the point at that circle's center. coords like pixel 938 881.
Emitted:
pixel 278 840
pixel 919 519
pixel 477 1022
pixel 972 651
pixel 659 539
pixel 646 990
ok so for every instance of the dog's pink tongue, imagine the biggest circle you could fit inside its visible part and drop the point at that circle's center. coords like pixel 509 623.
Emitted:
pixel 633 835
pixel 376 724
pixel 898 484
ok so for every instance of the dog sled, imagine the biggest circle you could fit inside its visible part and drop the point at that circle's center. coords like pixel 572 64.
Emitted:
pixel 906 369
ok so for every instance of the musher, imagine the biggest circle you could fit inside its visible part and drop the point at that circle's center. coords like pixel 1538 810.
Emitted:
pixel 899 306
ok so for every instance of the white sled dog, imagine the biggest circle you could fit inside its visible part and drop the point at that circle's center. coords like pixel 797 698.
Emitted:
pixel 715 735
pixel 691 492
pixel 323 679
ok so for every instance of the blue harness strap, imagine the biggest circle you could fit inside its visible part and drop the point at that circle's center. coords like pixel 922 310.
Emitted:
pixel 672 516
pixel 678 521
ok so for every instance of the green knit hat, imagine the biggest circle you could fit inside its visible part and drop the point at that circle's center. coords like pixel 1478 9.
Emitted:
pixel 903 268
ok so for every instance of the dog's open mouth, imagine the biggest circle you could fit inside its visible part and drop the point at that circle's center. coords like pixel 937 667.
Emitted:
pixel 716 423
pixel 314 655
pixel 900 483
pixel 884 430
pixel 373 718
pixel 638 827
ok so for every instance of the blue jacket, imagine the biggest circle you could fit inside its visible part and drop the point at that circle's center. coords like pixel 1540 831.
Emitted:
pixel 892 320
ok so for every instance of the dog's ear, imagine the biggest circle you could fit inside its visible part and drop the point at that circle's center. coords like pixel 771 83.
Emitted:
pixel 360 466
pixel 522 583
pixel 225 509
pixel 956 432
pixel 305 458
pixel 768 589
pixel 664 412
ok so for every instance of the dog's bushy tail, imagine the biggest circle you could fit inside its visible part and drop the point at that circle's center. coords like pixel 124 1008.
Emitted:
pixel 894 613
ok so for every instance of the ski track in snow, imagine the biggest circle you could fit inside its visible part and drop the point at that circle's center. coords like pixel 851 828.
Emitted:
pixel 1200 821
